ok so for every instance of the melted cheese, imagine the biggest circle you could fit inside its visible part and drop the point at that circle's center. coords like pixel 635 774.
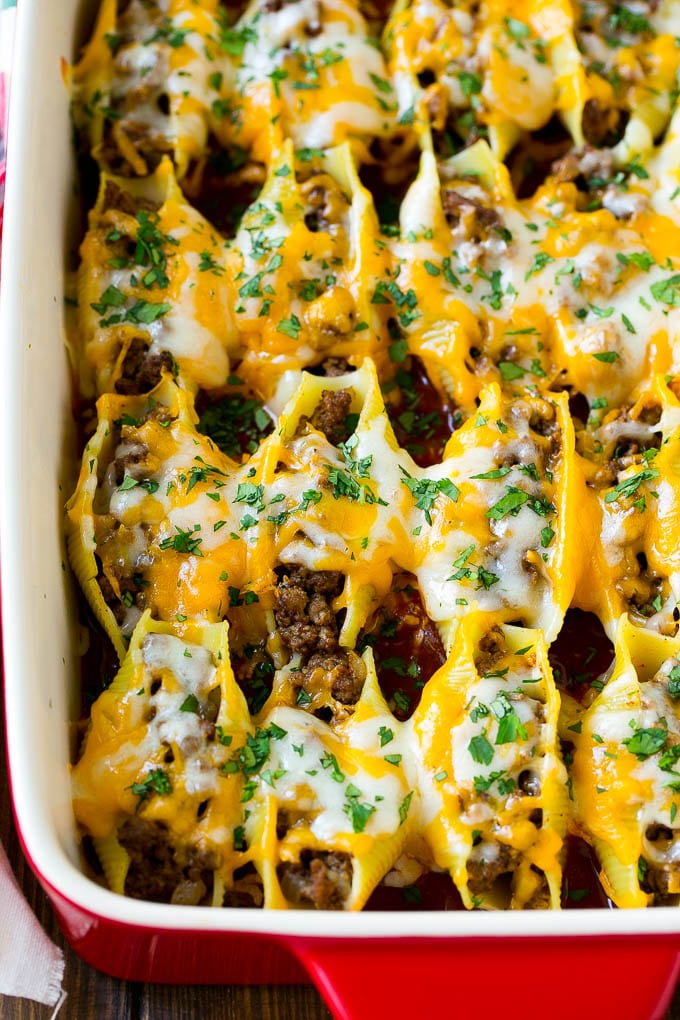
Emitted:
pixel 546 312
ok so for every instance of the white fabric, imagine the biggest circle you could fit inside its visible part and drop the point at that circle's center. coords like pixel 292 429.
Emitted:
pixel 31 966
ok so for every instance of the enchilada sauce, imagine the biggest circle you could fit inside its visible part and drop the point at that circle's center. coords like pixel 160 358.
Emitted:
pixel 407 648
pixel 407 651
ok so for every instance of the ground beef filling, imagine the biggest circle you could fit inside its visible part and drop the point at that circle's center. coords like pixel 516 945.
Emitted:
pixel 469 212
pixel 485 868
pixel 603 126
pixel 331 367
pixel 161 871
pixel 307 625
pixel 330 415
pixel 340 674
pixel 322 880
pixel 491 649
pixel 141 370
pixel 122 201
pixel 304 616
pixel 325 203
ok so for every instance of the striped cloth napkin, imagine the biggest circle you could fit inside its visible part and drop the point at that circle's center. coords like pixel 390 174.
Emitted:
pixel 31 966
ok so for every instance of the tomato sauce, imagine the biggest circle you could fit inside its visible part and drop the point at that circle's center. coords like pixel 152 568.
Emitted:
pixel 581 654
pixel 406 646
pixel 434 890
pixel 422 417
pixel 407 651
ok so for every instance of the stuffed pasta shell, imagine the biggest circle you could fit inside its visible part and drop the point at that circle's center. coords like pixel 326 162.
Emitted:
pixel 153 291
pixel 492 781
pixel 303 262
pixel 152 82
pixel 150 787
pixel 630 457
pixel 333 808
pixel 143 525
pixel 624 769
pixel 315 68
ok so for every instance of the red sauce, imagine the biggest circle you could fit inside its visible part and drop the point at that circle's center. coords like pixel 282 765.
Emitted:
pixel 422 417
pixel 432 891
pixel 406 646
pixel 581 884
pixel 435 890
pixel 223 187
pixel 581 654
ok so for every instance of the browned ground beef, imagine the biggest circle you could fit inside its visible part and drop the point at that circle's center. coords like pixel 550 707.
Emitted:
pixel 325 204
pixel 123 201
pixel 161 871
pixel 132 462
pixel 589 164
pixel 322 880
pixel 331 367
pixel 661 877
pixel 330 415
pixel 458 207
pixel 483 873
pixel 661 882
pixel 602 125
pixel 150 146
pixel 340 673
pixel 492 647
pixel 141 370
pixel 304 617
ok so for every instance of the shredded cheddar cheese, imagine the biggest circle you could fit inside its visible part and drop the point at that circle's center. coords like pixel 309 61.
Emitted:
pixel 375 329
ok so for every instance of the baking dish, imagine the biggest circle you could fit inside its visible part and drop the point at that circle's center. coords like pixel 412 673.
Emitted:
pixel 405 964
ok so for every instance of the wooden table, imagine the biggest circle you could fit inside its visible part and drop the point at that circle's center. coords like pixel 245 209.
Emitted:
pixel 95 996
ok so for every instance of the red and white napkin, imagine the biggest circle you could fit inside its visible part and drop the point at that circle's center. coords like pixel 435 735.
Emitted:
pixel 31 966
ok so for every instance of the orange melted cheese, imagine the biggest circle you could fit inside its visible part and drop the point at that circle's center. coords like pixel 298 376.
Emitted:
pixel 522 242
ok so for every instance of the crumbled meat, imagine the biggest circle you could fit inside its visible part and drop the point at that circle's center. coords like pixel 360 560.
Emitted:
pixel 491 647
pixel 116 198
pixel 341 674
pixel 132 149
pixel 332 367
pixel 132 462
pixel 473 215
pixel 163 872
pixel 141 370
pixel 661 875
pixel 322 880
pixel 330 415
pixel 325 203
pixel 603 126
pixel 304 616
pixel 590 164
pixel 485 868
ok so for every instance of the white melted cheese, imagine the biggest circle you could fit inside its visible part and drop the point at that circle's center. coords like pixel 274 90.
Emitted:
pixel 310 782
pixel 193 672
pixel 509 758
pixel 651 796
pixel 316 113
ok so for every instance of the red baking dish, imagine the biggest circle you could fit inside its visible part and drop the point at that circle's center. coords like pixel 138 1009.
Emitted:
pixel 590 962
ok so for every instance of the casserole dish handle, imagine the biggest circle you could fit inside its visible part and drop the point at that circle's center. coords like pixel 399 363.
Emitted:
pixel 628 977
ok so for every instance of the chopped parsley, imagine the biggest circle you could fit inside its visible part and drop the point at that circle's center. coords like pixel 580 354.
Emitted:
pixel 157 781
pixel 426 490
